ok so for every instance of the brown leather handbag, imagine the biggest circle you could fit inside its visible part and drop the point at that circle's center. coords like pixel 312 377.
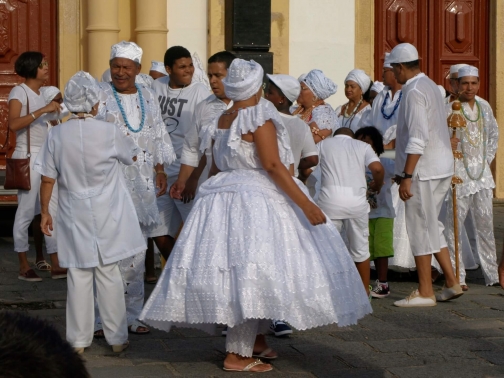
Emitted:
pixel 17 173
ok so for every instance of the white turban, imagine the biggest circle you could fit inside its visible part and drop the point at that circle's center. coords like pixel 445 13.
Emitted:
pixel 361 78
pixel 158 67
pixel 301 77
pixel 468 71
pixel 455 68
pixel 320 84
pixel 81 93
pixel 128 50
pixel 243 80
pixel 49 93
pixel 144 79
pixel 378 86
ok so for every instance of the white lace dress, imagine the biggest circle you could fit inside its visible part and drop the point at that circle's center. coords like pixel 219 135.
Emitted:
pixel 248 252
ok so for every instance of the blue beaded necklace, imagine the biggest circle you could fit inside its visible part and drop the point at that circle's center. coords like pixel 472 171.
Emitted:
pixel 395 106
pixel 123 113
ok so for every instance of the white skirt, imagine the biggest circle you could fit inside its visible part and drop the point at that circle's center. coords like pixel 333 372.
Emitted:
pixel 248 252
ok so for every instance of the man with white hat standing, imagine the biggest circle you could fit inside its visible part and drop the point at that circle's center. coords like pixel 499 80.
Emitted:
pixel 478 143
pixel 424 167
pixel 135 110
pixel 454 82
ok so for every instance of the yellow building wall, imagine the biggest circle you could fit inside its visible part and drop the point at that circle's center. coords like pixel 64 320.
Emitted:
pixel 364 36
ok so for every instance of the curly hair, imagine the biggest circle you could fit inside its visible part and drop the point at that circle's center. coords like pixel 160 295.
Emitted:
pixel 374 134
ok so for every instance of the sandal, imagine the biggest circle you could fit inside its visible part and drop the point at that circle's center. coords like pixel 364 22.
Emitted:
pixel 99 334
pixel 43 266
pixel 57 274
pixel 250 366
pixel 29 276
pixel 264 354
pixel 134 329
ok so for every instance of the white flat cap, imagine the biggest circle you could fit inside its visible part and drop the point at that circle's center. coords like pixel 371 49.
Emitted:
pixel 403 53
pixel 289 85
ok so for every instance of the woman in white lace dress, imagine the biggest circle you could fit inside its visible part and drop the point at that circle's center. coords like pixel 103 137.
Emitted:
pixel 250 250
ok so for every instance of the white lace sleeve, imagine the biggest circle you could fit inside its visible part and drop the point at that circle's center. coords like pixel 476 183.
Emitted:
pixel 492 132
pixel 325 117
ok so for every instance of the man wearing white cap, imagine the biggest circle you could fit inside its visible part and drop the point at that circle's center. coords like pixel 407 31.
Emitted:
pixel 424 166
pixel 478 143
pixel 157 70
pixel 135 110
pixel 283 91
pixel 385 110
pixel 454 82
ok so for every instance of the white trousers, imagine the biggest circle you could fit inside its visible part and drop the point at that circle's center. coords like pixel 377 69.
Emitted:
pixel 240 339
pixel 29 206
pixel 356 230
pixel 481 206
pixel 80 315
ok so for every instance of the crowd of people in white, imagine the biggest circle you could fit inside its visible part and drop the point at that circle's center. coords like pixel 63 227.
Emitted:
pixel 268 206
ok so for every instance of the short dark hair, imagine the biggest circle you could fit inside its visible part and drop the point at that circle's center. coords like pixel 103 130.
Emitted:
pixel 225 57
pixel 374 134
pixel 174 53
pixel 27 64
pixel 27 343
pixel 409 65
pixel 344 131
pixel 289 102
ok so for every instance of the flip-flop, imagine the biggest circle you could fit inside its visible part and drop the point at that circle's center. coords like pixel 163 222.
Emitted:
pixel 250 366
pixel 43 266
pixel 29 276
pixel 264 354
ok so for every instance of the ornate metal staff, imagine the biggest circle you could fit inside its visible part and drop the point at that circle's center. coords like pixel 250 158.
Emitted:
pixel 455 121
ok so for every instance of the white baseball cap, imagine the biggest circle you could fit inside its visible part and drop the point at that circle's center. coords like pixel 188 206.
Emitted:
pixel 403 53
pixel 289 85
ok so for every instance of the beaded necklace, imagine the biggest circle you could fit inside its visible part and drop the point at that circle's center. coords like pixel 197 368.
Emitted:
pixel 350 117
pixel 123 113
pixel 387 117
pixel 477 144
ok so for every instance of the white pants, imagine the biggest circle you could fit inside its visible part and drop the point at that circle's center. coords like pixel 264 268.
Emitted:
pixel 29 206
pixel 356 231
pixel 481 206
pixel 240 339
pixel 80 315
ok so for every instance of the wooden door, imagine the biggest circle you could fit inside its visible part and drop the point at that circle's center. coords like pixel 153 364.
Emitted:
pixel 25 25
pixel 445 32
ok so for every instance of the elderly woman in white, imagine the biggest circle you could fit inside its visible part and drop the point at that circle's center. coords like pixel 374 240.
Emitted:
pixel 97 221
pixel 357 87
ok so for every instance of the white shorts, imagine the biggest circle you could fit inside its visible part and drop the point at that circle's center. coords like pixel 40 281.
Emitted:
pixel 357 232
pixel 172 213
pixel 425 231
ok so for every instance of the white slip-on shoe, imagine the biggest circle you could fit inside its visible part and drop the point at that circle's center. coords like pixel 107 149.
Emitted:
pixel 415 300
pixel 449 293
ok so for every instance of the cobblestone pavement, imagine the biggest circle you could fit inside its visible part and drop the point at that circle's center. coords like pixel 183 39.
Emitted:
pixel 463 338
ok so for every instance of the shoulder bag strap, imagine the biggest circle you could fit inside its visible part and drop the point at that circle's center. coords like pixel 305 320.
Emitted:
pixel 28 128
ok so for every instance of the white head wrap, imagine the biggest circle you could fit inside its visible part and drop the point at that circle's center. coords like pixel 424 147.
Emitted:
pixel 128 50
pixel 243 80
pixel 378 86
pixel 158 67
pixel 144 79
pixel 49 93
pixel 320 84
pixel 386 61
pixel 468 71
pixel 301 77
pixel 455 68
pixel 81 93
pixel 361 78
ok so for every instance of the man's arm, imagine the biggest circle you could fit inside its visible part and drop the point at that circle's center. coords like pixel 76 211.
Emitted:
pixel 46 188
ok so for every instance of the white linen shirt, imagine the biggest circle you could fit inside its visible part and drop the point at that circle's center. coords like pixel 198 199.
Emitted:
pixel 177 109
pixel 343 162
pixel 375 117
pixel 422 129
pixel 96 216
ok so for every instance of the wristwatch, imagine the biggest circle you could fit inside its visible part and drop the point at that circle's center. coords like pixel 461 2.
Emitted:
pixel 404 175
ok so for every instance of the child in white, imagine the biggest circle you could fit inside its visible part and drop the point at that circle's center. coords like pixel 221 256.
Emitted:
pixel 343 162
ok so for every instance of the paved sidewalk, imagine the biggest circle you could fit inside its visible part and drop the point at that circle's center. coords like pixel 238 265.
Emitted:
pixel 463 338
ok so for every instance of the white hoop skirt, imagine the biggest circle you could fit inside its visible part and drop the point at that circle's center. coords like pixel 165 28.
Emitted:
pixel 248 252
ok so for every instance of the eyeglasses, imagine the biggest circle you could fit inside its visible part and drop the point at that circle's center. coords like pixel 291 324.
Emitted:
pixel 44 64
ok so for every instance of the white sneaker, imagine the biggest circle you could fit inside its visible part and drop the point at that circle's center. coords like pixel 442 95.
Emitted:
pixel 449 293
pixel 415 300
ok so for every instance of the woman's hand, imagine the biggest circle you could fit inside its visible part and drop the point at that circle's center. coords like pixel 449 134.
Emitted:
pixel 52 107
pixel 314 214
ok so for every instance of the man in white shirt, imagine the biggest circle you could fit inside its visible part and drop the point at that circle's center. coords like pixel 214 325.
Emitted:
pixel 178 98
pixel 282 91
pixel 423 167
pixel 343 162
pixel 383 115
pixel 478 144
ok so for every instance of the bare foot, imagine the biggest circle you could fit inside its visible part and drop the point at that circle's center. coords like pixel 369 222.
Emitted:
pixel 236 362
